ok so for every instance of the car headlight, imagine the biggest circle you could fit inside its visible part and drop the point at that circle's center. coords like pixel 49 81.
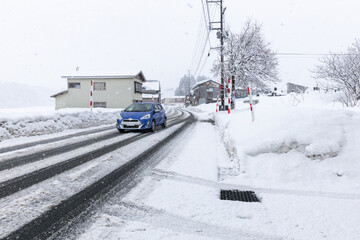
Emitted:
pixel 119 117
pixel 147 116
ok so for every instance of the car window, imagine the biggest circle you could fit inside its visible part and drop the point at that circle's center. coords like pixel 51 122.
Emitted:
pixel 136 107
pixel 157 108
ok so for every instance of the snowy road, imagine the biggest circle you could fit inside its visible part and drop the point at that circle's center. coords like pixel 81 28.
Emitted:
pixel 39 184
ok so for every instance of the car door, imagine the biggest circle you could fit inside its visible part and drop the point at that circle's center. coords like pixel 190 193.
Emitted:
pixel 162 114
pixel 157 114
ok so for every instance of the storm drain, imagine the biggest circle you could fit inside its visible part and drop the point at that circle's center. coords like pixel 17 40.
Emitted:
pixel 236 195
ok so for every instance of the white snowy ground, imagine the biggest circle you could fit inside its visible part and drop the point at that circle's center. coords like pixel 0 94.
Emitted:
pixel 36 121
pixel 301 156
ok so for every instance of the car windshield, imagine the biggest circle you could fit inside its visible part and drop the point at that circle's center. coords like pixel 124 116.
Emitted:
pixel 147 107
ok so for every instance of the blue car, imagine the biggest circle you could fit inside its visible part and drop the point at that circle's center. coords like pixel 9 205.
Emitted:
pixel 141 116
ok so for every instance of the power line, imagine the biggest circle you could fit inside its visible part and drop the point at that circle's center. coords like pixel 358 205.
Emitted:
pixel 196 46
pixel 207 39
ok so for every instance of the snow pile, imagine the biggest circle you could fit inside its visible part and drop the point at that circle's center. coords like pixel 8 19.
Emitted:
pixel 312 144
pixel 37 121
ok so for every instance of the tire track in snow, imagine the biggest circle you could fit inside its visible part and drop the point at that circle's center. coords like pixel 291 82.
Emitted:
pixel 179 177
pixel 159 218
pixel 56 150
pixel 60 214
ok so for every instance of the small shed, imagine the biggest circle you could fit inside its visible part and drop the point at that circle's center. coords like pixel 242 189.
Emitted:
pixel 292 87
pixel 241 93
pixel 176 100
pixel 205 91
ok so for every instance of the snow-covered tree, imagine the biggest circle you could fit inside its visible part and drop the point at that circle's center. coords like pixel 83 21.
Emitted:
pixel 249 58
pixel 185 85
pixel 342 71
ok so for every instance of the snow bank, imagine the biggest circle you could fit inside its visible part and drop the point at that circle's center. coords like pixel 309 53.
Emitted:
pixel 307 141
pixel 38 121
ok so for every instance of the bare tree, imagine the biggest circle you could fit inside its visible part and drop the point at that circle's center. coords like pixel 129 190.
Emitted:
pixel 342 71
pixel 249 58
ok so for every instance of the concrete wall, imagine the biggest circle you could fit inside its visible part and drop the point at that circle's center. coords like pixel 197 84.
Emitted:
pixel 119 93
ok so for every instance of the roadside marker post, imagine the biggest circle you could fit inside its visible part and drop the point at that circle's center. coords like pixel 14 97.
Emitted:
pixel 218 98
pixel 152 98
pixel 229 96
pixel 251 103
pixel 217 102
pixel 91 95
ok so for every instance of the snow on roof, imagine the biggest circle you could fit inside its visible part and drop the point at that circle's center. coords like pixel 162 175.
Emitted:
pixel 205 81
pixel 151 85
pixel 59 93
pixel 139 76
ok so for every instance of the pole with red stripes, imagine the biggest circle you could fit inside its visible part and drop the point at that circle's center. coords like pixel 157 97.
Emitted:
pixel 152 98
pixel 91 95
pixel 217 102
pixel 251 103
pixel 229 96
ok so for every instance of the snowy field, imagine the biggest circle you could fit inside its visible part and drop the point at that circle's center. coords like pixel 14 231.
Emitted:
pixel 301 156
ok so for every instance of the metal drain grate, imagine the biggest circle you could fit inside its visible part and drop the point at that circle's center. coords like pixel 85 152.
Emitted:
pixel 236 195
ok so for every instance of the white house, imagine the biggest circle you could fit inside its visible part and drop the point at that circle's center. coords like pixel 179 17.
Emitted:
pixel 116 91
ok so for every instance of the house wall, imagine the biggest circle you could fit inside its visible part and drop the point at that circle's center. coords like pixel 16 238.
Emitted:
pixel 202 96
pixel 119 93
pixel 60 101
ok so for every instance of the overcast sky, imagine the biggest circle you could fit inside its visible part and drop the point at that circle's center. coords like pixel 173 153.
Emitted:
pixel 43 40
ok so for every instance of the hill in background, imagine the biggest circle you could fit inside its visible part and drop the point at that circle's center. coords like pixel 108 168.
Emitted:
pixel 16 95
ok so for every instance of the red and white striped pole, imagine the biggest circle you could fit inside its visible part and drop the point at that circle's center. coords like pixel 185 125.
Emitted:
pixel 251 103
pixel 229 96
pixel 91 95
pixel 217 102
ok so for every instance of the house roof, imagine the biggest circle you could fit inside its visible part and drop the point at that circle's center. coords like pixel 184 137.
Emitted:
pixel 59 93
pixel 205 81
pixel 139 76
pixel 297 85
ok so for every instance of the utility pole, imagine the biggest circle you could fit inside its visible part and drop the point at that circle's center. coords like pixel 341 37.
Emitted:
pixel 189 82
pixel 220 35
pixel 222 96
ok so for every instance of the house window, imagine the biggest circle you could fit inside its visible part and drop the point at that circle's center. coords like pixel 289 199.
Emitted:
pixel 99 86
pixel 74 85
pixel 137 87
pixel 99 104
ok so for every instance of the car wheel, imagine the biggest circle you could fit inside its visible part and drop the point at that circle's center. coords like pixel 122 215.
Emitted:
pixel 153 126
pixel 164 123
pixel 121 130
